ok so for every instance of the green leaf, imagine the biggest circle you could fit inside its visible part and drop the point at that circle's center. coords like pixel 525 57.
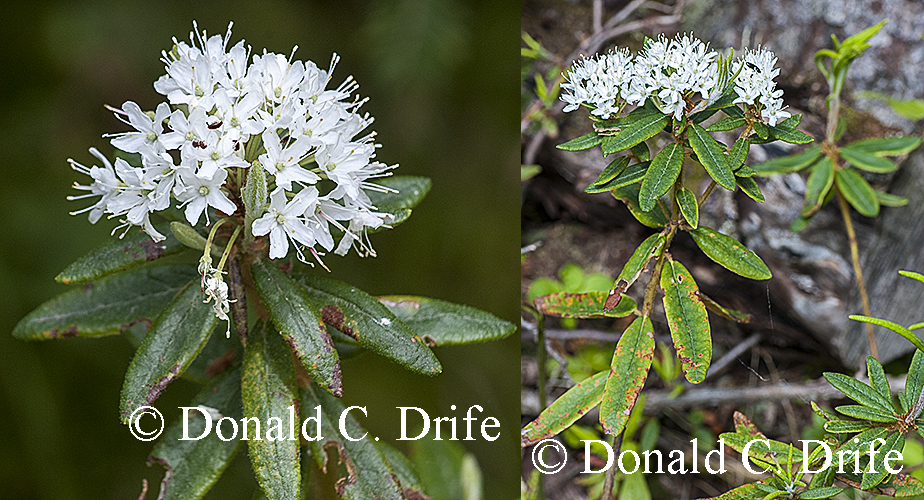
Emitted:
pixel 745 492
pixel 107 306
pixel 118 255
pixel 583 305
pixel 819 493
pixel 791 122
pixel 688 321
pixel 404 192
pixel 895 327
pixel 846 426
pixel 738 154
pixel 712 155
pixel 886 146
pixel 789 164
pixel 362 317
pixel 877 378
pixel 749 187
pixel 641 152
pixel 661 176
pixel 760 451
pixel 300 324
pixel 857 192
pixel 254 195
pixel 745 171
pixel 904 485
pixel 268 393
pixel 632 174
pixel 656 218
pixel 816 188
pixel 727 123
pixel 369 475
pixel 641 124
pixel 403 467
pixel 581 143
pixel 895 441
pixel 891 200
pixel 912 275
pixel 913 109
pixel 689 207
pixel 529 171
pixel 867 161
pixel 761 130
pixel 566 410
pixel 172 343
pixel 628 372
pixel 443 323
pixel 730 253
pixel 611 171
pixel 790 135
pixel 858 391
pixel 914 384
pixel 633 268
pixel 194 465
pixel 866 413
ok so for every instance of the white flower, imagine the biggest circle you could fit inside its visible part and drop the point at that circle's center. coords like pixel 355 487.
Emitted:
pixel 202 192
pixel 755 86
pixel 105 184
pixel 283 160
pixel 282 221
pixel 147 130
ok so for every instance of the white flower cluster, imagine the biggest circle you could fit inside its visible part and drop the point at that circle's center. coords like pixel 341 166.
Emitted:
pixel 224 116
pixel 670 73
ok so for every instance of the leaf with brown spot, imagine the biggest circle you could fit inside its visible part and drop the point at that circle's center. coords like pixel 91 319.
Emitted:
pixel 299 323
pixel 730 253
pixel 688 321
pixel 633 268
pixel 583 305
pixel 119 255
pixel 566 410
pixel 172 343
pixel 628 372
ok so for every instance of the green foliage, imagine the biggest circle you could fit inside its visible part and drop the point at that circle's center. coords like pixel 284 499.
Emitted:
pixel 912 337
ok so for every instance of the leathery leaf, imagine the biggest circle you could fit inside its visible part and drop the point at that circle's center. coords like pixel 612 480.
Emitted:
pixel 628 372
pixel 730 253
pixel 443 323
pixel 583 305
pixel 688 321
pixel 566 410
pixel 661 176
pixel 633 268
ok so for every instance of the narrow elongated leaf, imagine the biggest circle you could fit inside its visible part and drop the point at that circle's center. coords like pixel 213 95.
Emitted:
pixel 846 426
pixel 712 155
pixel 268 393
pixel 727 123
pixel 857 192
pixel 759 450
pixel 914 384
pixel 404 192
pixel 730 253
pixel 912 275
pixel 789 135
pixel 895 327
pixel 581 143
pixel 738 154
pixel 819 493
pixel 362 317
pixel 788 164
pixel 611 171
pixel 858 391
pixel 745 171
pixel 656 218
pixel 730 314
pixel 566 410
pixel 194 465
pixel 300 324
pixel 688 321
pixel 443 323
pixel 403 469
pixel 369 475
pixel 761 130
pixel 749 187
pixel 644 124
pixel 791 122
pixel 172 343
pixel 877 378
pixel 583 305
pixel 866 413
pixel 628 372
pixel 891 200
pixel 867 161
pixel 632 174
pixel 661 175
pixel 107 306
pixel 647 250
pixel 886 146
pixel 745 492
pixel 119 255
pixel 816 188
pixel 895 441
pixel 641 151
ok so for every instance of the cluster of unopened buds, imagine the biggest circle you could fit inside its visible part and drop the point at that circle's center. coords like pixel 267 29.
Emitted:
pixel 229 113
pixel 671 73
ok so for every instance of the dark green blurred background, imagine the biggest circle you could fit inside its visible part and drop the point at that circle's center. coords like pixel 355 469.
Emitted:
pixel 442 79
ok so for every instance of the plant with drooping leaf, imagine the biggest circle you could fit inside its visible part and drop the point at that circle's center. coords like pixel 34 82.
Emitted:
pixel 250 157
pixel 835 171
pixel 873 437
